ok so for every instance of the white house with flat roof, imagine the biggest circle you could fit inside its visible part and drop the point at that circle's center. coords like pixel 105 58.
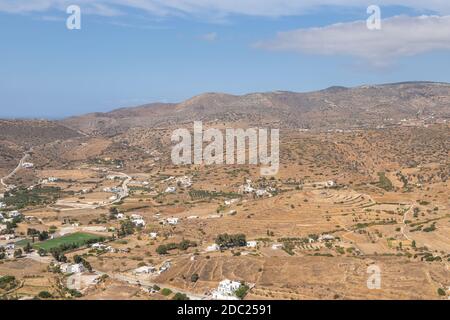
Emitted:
pixel 27 165
pixel 213 247
pixel 14 214
pixel 226 290
pixel 72 268
pixel 138 222
pixel 144 270
pixel 98 246
pixel 252 244
pixel 172 221
pixel 170 190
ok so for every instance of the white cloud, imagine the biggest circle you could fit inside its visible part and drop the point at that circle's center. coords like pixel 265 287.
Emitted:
pixel 399 37
pixel 216 8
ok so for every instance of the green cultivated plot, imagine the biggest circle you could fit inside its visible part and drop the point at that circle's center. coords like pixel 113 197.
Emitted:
pixel 78 238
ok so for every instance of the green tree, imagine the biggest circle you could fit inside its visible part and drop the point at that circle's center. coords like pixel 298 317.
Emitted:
pixel 45 295
pixel 229 241
pixel 28 248
pixel 162 249
pixel 18 253
pixel 242 291
pixel 77 259
pixel 166 292
pixel 180 296
pixel 43 236
pixel 194 277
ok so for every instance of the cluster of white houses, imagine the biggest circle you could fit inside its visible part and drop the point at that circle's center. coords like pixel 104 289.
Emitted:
pixel 247 188
pixel 139 221
pixel 6 217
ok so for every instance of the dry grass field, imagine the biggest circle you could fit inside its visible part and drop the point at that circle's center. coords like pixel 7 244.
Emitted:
pixel 343 201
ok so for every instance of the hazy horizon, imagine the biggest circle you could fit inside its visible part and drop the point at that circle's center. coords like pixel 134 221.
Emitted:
pixel 53 118
pixel 133 53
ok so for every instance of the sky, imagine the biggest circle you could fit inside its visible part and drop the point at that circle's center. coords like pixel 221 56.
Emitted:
pixel 133 52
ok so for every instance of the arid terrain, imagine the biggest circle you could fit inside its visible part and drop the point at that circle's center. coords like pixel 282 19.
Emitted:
pixel 92 207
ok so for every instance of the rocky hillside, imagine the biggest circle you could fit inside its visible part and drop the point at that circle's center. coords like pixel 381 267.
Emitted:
pixel 332 108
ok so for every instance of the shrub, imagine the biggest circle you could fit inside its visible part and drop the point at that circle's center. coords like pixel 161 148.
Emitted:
pixel 180 296
pixel 194 277
pixel 75 293
pixel 45 295
pixel 166 292
pixel 242 291
pixel 156 288
pixel 8 282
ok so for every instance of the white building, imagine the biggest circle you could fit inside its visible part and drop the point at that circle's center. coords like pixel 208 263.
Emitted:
pixel 1 216
pixel 192 217
pixel 277 246
pixel 98 246
pixel 2 227
pixel 213 247
pixel 226 290
pixel 2 205
pixel 326 237
pixel 136 216
pixel 170 190
pixel 27 165
pixel 7 236
pixel 52 179
pixel 166 266
pixel 138 222
pixel 72 268
pixel 14 214
pixel 120 216
pixel 248 189
pixel 252 244
pixel 231 201
pixel 153 235
pixel 10 246
pixel 144 270
pixel 172 221
pixel 184 181
pixel 330 184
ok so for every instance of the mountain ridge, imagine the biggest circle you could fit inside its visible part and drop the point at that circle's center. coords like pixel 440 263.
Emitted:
pixel 333 107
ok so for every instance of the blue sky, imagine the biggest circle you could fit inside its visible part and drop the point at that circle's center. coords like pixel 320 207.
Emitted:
pixel 127 55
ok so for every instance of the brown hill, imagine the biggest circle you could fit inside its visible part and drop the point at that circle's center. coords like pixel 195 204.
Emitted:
pixel 28 133
pixel 332 108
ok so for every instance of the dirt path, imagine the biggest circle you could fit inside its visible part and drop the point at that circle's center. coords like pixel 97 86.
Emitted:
pixel 403 228
pixel 19 166
pixel 150 284
pixel 77 206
